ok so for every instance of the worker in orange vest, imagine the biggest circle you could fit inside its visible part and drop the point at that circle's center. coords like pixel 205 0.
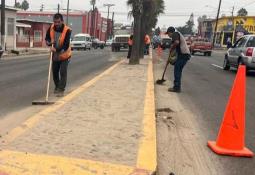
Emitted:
pixel 147 42
pixel 130 44
pixel 58 36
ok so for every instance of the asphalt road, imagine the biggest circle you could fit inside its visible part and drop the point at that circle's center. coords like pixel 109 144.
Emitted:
pixel 24 80
pixel 205 91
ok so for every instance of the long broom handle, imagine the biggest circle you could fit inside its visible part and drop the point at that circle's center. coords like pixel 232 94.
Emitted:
pixel 165 70
pixel 48 83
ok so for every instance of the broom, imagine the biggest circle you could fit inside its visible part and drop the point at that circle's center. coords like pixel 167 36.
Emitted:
pixel 46 102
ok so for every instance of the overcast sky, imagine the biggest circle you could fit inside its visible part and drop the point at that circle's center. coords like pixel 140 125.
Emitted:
pixel 176 12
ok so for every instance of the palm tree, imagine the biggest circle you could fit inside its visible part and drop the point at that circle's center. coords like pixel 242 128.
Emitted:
pixel 137 14
pixel 145 14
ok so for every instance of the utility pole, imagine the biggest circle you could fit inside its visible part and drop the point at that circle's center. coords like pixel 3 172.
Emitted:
pixel 67 13
pixel 233 25
pixel 3 24
pixel 93 18
pixel 109 6
pixel 58 8
pixel 216 25
pixel 112 25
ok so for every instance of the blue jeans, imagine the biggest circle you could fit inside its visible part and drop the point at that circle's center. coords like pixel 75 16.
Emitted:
pixel 178 67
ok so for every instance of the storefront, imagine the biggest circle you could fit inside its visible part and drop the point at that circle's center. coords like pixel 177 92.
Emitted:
pixel 232 28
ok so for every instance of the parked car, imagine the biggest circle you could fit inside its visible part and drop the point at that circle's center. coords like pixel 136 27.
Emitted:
pixel 96 43
pixel 201 45
pixel 1 51
pixel 81 41
pixel 166 43
pixel 242 52
pixel 120 41
pixel 108 42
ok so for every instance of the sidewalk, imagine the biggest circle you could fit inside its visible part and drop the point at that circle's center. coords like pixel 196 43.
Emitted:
pixel 105 127
pixel 25 52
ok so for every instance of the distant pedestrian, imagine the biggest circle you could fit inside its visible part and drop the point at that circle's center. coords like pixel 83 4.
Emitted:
pixel 130 44
pixel 229 43
pixel 180 46
pixel 59 35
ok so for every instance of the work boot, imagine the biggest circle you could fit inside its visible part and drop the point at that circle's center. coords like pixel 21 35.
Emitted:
pixel 60 92
pixel 56 90
pixel 177 90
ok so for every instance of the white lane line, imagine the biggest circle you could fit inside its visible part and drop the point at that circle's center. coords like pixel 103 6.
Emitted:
pixel 215 65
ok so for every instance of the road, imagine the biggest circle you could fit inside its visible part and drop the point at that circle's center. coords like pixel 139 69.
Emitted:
pixel 205 92
pixel 24 80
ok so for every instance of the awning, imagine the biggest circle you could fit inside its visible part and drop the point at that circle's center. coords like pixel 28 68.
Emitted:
pixel 18 24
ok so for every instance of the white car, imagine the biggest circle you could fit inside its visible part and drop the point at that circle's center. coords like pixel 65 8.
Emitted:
pixel 81 41
pixel 108 42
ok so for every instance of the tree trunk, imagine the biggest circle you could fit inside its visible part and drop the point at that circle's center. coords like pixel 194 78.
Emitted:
pixel 135 57
pixel 142 32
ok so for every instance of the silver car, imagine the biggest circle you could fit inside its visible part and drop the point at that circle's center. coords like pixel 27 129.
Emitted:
pixel 243 52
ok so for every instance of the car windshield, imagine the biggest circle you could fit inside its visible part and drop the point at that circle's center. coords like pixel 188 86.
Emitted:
pixel 79 38
pixel 251 42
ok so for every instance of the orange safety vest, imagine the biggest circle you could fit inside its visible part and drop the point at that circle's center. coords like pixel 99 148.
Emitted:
pixel 68 53
pixel 147 39
pixel 130 42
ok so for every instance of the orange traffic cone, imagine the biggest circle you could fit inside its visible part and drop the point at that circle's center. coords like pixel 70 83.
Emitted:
pixel 231 136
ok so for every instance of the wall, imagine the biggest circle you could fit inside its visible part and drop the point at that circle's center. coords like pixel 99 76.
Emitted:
pixel 10 39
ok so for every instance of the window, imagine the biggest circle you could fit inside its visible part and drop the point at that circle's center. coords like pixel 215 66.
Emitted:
pixel 10 26
pixel 37 36
pixel 251 42
pixel 242 42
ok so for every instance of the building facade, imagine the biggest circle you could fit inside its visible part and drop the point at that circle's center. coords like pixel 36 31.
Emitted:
pixel 80 21
pixel 33 36
pixel 10 28
pixel 233 28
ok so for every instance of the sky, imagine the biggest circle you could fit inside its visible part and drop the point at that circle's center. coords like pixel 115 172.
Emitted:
pixel 176 14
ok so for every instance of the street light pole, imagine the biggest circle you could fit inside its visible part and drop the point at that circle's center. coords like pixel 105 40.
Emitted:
pixel 216 25
pixel 3 24
pixel 67 13
pixel 108 5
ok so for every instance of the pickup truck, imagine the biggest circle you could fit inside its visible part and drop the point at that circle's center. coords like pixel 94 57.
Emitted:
pixel 120 41
pixel 201 45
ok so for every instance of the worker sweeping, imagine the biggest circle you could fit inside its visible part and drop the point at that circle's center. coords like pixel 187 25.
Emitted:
pixel 58 35
pixel 147 42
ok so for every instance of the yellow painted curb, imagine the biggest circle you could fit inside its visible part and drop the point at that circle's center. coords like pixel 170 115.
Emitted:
pixel 147 154
pixel 18 163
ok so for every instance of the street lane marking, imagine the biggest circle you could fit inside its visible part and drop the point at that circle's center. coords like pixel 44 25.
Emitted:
pixel 215 65
pixel 147 155
pixel 21 163
pixel 33 121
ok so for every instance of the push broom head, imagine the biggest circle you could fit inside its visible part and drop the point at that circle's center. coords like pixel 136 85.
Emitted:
pixel 42 103
pixel 160 82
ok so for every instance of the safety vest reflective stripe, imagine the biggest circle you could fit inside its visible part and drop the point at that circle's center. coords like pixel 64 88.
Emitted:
pixel 66 54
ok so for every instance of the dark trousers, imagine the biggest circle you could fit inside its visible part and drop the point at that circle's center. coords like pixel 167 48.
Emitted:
pixel 59 69
pixel 129 51
pixel 178 67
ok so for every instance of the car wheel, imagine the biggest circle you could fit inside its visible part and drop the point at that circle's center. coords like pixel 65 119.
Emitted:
pixel 209 54
pixel 205 53
pixel 226 65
